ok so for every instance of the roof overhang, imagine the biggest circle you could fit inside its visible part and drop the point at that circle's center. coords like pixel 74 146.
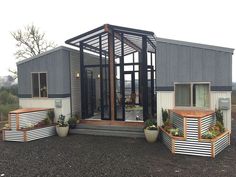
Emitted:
pixel 132 39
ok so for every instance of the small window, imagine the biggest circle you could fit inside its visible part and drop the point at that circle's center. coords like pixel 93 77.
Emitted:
pixel 39 85
pixel 196 95
pixel 182 95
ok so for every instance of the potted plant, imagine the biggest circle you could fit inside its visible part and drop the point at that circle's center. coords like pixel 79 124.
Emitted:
pixel 72 122
pixel 62 127
pixel 151 130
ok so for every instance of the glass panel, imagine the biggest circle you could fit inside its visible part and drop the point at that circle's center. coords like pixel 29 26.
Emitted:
pixel 43 85
pixel 35 84
pixel 201 95
pixel 182 95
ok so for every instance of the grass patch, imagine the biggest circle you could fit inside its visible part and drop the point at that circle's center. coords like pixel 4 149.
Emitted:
pixel 5 109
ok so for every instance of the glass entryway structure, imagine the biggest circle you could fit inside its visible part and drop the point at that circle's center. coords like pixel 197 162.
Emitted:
pixel 119 84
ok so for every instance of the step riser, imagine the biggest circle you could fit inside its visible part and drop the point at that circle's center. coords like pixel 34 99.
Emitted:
pixel 108 133
pixel 111 128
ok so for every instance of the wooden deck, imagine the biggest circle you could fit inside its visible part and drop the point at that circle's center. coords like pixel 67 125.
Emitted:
pixel 113 123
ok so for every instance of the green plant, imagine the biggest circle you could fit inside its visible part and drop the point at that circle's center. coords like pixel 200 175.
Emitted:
pixel 46 121
pixel 174 131
pixel 219 116
pixel 72 122
pixel 51 115
pixel 151 124
pixel 221 127
pixel 165 115
pixel 61 121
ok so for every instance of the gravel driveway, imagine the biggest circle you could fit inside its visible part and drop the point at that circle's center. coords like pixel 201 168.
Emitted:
pixel 83 155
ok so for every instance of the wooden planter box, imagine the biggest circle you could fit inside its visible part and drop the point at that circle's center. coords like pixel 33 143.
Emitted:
pixel 28 135
pixel 19 118
pixel 193 126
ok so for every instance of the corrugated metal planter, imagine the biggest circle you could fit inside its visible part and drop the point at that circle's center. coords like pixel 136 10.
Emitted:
pixel 19 118
pixel 151 135
pixel 191 143
pixel 28 135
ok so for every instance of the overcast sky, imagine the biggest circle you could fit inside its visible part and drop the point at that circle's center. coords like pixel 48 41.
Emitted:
pixel 202 21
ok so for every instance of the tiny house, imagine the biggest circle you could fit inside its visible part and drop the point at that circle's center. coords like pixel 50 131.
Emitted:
pixel 127 75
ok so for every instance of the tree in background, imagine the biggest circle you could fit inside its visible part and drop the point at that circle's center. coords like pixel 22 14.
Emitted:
pixel 30 42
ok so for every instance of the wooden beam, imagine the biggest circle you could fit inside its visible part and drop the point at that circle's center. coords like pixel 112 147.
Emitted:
pixel 111 63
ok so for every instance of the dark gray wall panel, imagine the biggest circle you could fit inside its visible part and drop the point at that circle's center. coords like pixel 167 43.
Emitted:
pixel 178 63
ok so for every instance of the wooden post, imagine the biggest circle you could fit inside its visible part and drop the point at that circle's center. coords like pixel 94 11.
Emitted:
pixel 111 62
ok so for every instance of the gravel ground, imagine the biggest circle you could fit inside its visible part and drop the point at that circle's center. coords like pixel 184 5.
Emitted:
pixel 83 155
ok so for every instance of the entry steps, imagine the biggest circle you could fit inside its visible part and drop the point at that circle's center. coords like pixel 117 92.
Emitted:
pixel 109 130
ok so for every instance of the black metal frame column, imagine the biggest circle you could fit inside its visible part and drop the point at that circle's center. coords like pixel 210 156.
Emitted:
pixel 122 77
pixel 144 77
pixel 83 106
pixel 101 78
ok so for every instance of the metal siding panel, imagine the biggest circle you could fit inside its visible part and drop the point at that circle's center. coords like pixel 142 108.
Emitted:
pixel 41 133
pixel 31 117
pixel 189 64
pixel 56 64
pixel 75 82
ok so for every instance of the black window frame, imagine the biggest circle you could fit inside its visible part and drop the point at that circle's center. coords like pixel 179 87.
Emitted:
pixel 39 85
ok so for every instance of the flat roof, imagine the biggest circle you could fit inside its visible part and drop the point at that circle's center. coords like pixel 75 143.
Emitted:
pixel 197 45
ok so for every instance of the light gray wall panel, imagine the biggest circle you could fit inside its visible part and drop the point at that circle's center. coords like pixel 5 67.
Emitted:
pixel 179 63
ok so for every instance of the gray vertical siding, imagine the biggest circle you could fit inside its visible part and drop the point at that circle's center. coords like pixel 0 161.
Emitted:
pixel 56 64
pixel 182 63
pixel 75 83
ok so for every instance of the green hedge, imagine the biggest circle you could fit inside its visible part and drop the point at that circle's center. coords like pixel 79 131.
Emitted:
pixel 5 109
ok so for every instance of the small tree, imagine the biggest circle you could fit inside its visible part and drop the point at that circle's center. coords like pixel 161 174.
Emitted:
pixel 30 42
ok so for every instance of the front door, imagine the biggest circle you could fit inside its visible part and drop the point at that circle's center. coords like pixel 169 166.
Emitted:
pixel 90 95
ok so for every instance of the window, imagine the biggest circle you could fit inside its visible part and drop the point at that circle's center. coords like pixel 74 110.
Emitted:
pixel 192 95
pixel 39 85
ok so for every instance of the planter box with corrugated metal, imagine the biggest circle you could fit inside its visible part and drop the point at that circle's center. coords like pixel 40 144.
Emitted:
pixel 18 119
pixel 192 124
pixel 28 135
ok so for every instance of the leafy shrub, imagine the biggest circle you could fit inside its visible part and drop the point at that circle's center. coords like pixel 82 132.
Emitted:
pixel 165 115
pixel 46 121
pixel 51 115
pixel 72 122
pixel 151 124
pixel 219 116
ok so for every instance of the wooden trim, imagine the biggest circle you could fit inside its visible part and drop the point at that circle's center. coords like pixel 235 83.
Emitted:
pixel 199 129
pixel 173 146
pixel 25 136
pixel 216 138
pixel 185 129
pixel 111 64
pixel 9 120
pixel 27 110
pixel 213 149
pixel 17 122
pixel 171 136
